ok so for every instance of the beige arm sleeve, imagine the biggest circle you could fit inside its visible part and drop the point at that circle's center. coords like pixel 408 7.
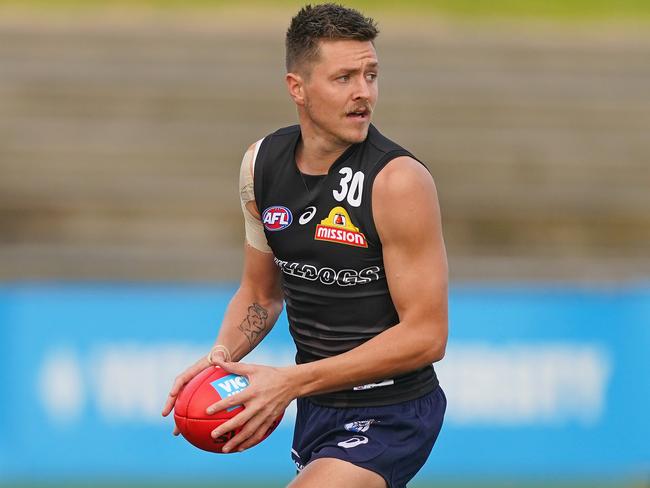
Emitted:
pixel 252 220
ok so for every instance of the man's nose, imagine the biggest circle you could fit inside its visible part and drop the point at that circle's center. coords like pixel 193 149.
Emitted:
pixel 361 89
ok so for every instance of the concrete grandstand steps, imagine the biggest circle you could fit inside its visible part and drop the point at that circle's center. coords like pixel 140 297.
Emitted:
pixel 120 147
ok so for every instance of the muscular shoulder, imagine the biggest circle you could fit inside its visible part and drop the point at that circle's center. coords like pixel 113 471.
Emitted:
pixel 403 178
pixel 249 152
pixel 248 161
pixel 247 172
pixel 404 197
pixel 253 225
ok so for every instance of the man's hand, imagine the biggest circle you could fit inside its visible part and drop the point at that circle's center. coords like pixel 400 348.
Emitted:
pixel 267 396
pixel 183 379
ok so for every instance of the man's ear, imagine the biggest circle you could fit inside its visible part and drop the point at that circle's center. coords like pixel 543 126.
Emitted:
pixel 295 85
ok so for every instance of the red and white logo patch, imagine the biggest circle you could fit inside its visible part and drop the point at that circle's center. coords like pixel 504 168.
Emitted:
pixel 277 218
pixel 338 227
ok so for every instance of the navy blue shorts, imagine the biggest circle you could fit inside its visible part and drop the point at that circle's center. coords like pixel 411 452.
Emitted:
pixel 393 441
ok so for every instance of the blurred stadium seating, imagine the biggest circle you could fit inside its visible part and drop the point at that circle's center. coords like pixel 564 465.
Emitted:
pixel 120 142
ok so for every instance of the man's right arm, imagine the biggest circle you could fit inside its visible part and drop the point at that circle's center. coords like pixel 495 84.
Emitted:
pixel 250 315
pixel 256 305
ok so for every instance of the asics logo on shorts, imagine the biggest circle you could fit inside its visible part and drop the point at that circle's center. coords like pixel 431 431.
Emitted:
pixel 354 441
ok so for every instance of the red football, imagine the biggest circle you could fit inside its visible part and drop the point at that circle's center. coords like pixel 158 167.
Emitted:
pixel 206 388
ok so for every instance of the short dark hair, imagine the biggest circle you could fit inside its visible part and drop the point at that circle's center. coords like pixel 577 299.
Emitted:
pixel 324 21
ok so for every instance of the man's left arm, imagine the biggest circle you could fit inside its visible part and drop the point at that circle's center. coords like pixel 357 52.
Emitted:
pixel 407 217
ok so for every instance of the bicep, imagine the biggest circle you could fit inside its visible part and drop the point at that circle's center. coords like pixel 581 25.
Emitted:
pixel 261 275
pixel 407 217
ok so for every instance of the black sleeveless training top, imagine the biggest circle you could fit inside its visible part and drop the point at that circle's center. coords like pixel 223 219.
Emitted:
pixel 324 240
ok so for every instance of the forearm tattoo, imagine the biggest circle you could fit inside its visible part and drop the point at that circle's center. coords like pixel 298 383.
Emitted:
pixel 255 323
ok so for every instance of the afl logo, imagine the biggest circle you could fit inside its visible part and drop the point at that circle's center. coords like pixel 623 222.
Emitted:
pixel 277 218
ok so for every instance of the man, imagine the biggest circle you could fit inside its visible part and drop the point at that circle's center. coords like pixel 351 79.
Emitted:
pixel 344 225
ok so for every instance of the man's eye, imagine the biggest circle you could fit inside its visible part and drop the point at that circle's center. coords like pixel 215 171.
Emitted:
pixel 344 78
pixel 371 76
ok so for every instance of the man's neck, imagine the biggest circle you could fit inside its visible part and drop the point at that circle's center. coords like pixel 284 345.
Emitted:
pixel 315 155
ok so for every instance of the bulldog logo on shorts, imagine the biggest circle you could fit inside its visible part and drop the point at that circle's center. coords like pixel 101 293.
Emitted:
pixel 359 425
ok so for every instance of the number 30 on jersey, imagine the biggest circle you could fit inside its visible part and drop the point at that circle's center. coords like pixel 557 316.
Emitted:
pixel 351 187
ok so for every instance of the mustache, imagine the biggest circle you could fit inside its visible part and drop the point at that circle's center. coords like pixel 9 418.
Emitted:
pixel 365 107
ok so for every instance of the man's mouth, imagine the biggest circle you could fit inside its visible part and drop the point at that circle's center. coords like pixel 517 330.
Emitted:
pixel 359 114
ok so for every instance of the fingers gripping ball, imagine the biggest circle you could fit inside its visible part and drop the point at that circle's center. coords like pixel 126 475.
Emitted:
pixel 205 389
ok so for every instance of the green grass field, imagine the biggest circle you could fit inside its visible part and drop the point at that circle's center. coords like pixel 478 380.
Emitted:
pixel 544 9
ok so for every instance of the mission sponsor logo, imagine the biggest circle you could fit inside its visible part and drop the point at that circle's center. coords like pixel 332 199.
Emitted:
pixel 276 218
pixel 338 227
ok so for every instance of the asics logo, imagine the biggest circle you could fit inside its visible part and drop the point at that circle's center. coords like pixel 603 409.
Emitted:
pixel 354 441
pixel 307 215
